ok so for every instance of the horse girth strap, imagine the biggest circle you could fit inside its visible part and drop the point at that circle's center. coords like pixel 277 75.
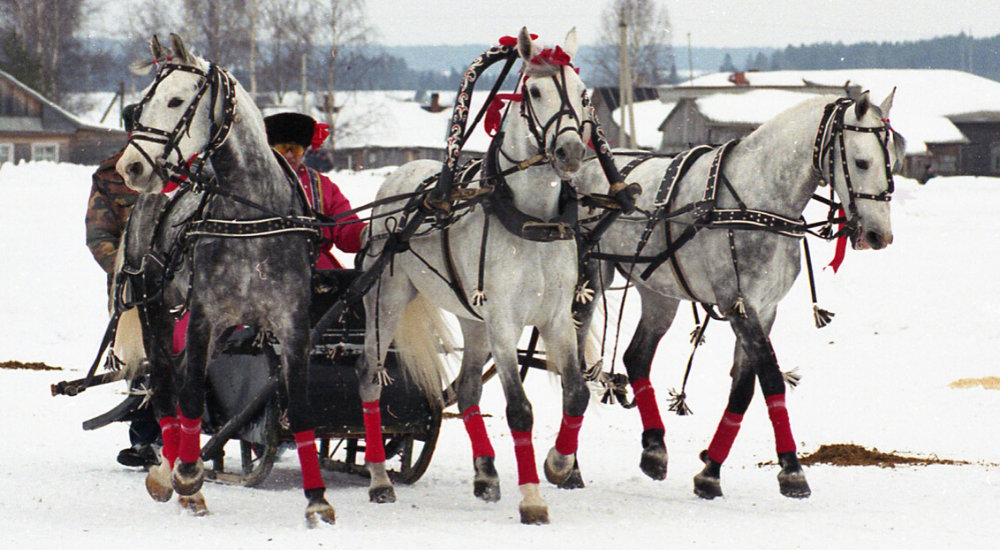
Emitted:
pixel 559 228
pixel 249 228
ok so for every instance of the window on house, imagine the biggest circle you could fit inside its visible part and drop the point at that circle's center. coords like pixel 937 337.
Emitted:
pixel 6 152
pixel 45 151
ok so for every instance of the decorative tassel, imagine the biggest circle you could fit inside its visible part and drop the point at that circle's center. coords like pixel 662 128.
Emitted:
pixel 739 308
pixel 593 373
pixel 678 403
pixel 698 335
pixel 617 390
pixel 478 297
pixel 145 392
pixel 792 377
pixel 381 377
pixel 584 294
pixel 822 316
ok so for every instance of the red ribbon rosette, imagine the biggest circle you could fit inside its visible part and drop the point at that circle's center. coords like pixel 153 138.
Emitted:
pixel 320 133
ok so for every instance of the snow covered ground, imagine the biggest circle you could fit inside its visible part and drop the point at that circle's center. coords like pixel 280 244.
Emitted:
pixel 910 320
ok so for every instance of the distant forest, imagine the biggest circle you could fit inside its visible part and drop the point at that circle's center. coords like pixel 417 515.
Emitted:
pixel 100 65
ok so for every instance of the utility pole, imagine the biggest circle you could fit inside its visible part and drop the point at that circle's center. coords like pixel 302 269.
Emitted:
pixel 305 81
pixel 690 63
pixel 625 85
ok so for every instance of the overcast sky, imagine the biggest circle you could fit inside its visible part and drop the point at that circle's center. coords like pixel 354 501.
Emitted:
pixel 776 23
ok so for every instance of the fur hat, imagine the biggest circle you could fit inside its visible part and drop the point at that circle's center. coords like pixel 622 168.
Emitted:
pixel 290 128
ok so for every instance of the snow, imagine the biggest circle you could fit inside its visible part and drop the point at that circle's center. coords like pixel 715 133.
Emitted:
pixel 910 320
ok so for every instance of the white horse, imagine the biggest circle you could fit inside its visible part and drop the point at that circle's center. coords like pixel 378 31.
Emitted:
pixel 738 209
pixel 233 252
pixel 486 269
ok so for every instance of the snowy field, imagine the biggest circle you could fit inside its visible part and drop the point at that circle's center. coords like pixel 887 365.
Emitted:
pixel 910 320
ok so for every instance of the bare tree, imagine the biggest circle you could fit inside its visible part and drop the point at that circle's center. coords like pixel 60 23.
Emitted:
pixel 648 38
pixel 44 30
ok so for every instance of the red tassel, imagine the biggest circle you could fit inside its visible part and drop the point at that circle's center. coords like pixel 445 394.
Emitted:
pixel 841 251
pixel 511 41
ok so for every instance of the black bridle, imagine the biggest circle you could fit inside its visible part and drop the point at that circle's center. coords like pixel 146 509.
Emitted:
pixel 219 86
pixel 831 131
pixel 538 129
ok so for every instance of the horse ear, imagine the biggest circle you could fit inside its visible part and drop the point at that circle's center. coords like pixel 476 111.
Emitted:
pixel 158 51
pixel 571 45
pixel 525 46
pixel 862 105
pixel 180 51
pixel 887 103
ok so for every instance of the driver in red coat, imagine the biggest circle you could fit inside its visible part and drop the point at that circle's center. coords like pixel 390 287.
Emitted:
pixel 292 134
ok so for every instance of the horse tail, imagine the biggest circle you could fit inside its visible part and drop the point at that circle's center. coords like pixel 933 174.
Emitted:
pixel 128 346
pixel 593 348
pixel 424 341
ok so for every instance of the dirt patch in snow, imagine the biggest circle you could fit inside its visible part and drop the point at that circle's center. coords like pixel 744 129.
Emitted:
pixel 989 382
pixel 848 454
pixel 27 366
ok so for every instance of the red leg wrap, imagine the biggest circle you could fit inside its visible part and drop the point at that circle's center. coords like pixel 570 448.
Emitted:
pixel 783 440
pixel 171 430
pixel 374 450
pixel 180 333
pixel 645 399
pixel 524 451
pixel 189 448
pixel 569 434
pixel 308 460
pixel 725 434
pixel 476 428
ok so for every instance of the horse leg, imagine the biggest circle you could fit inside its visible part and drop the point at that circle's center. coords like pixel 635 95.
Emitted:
pixel 294 339
pixel 161 364
pixel 520 420
pixel 754 337
pixel 560 348
pixel 658 313
pixel 384 306
pixel 708 484
pixel 189 472
pixel 486 483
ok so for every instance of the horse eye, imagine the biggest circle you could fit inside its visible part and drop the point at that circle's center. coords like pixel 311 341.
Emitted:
pixel 175 102
pixel 861 164
pixel 535 93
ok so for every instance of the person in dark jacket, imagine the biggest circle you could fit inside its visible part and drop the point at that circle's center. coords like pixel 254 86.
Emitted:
pixel 107 213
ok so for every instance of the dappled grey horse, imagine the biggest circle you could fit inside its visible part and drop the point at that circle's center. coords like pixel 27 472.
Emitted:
pixel 230 249
pixel 721 227
pixel 499 267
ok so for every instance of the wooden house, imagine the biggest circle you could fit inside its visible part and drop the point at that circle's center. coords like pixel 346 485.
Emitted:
pixel 32 128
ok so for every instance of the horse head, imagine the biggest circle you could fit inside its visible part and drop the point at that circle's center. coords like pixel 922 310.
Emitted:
pixel 185 113
pixel 554 103
pixel 864 151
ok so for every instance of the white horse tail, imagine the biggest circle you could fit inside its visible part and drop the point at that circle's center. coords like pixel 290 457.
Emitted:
pixel 592 348
pixel 424 340
pixel 128 346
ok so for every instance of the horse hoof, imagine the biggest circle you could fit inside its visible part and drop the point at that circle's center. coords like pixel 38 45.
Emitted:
pixel 653 461
pixel 188 477
pixel 575 479
pixel 194 504
pixel 320 511
pixel 793 484
pixel 534 514
pixel 708 484
pixel 558 466
pixel 533 509
pixel 382 495
pixel 486 484
pixel 158 483
pixel 791 478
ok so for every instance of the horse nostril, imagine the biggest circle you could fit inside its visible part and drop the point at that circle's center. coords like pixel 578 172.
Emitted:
pixel 561 154
pixel 874 240
pixel 135 169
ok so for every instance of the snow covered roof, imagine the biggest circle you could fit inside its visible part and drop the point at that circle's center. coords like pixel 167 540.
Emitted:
pixel 925 98
pixel 648 117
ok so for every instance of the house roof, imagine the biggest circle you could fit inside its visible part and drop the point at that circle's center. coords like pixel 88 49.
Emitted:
pixel 926 104
pixel 32 124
